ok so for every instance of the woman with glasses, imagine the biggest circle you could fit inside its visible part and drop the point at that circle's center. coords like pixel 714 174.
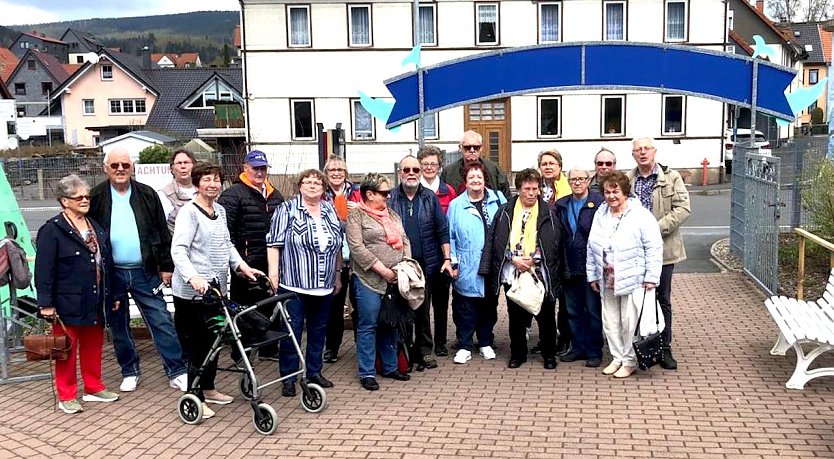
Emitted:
pixel 554 184
pixel 72 276
pixel 526 237
pixel 473 305
pixel 180 191
pixel 377 243
pixel 304 247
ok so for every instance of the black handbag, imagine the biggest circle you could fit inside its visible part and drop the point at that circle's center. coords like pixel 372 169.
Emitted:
pixel 649 349
pixel 394 312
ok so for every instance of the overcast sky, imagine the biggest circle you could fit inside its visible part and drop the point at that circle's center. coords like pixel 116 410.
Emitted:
pixel 16 12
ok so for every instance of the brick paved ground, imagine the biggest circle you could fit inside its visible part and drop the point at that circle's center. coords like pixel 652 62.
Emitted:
pixel 727 400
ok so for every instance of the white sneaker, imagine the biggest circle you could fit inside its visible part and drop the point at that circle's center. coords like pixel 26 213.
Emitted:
pixel 462 356
pixel 180 382
pixel 488 352
pixel 129 384
pixel 207 412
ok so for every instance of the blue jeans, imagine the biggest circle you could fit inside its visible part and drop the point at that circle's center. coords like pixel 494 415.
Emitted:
pixel 140 285
pixel 369 336
pixel 584 308
pixel 474 314
pixel 314 310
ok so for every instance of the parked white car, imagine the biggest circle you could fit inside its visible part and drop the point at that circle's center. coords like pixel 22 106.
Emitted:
pixel 743 138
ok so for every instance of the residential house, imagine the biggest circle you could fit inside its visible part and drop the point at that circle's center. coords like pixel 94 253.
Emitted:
pixel 8 120
pixel 8 62
pixel 816 42
pixel 174 60
pixel 26 41
pixel 81 45
pixel 135 141
pixel 305 62
pixel 236 43
pixel 32 83
pixel 105 98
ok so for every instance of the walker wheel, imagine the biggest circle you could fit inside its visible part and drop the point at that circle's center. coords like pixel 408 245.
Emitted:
pixel 247 389
pixel 265 419
pixel 190 409
pixel 314 399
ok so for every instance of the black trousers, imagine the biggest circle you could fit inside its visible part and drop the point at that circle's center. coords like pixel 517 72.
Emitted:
pixel 519 319
pixel 242 293
pixel 664 297
pixel 420 342
pixel 441 284
pixel 336 319
pixel 190 321
pixel 563 322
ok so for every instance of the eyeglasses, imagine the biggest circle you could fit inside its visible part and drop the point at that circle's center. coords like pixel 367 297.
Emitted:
pixel 640 149
pixel 429 165
pixel 410 170
pixel 115 166
pixel 79 198
pixel 337 169
pixel 577 179
pixel 470 147
pixel 311 182
pixel 605 163
pixel 383 193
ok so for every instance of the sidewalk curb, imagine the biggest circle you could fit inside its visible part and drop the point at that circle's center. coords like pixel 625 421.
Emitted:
pixel 718 261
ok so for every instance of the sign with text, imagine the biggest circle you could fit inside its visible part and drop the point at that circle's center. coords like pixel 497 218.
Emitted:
pixel 154 175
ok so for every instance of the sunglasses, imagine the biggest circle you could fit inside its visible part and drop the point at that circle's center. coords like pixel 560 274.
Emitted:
pixel 383 193
pixel 470 147
pixel 79 198
pixel 605 163
pixel 409 170
pixel 115 166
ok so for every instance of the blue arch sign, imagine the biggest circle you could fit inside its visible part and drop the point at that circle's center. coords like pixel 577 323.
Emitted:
pixel 674 69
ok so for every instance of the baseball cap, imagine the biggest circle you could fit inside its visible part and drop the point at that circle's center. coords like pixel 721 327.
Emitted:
pixel 256 158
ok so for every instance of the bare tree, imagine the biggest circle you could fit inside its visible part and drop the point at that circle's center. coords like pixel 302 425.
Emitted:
pixel 784 10
pixel 800 10
pixel 819 10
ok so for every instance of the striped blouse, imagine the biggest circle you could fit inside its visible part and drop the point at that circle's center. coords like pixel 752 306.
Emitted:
pixel 305 264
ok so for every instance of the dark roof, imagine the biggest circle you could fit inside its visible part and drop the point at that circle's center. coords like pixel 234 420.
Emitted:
pixel 42 37
pixel 4 91
pixel 88 40
pixel 175 86
pixel 131 64
pixel 49 62
pixel 809 36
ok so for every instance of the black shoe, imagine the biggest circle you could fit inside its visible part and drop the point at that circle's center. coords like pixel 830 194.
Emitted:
pixel 420 366
pixel 369 383
pixel 429 363
pixel 572 357
pixel 667 362
pixel 593 362
pixel 320 380
pixel 330 357
pixel 550 363
pixel 562 348
pixel 441 351
pixel 396 374
pixel 537 349
pixel 515 363
pixel 288 390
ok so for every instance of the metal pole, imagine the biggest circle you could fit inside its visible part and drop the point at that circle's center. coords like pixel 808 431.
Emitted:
pixel 48 115
pixel 421 137
pixel 754 104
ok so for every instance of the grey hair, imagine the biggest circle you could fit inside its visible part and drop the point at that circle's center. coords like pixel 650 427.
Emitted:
pixel 605 150
pixel 335 159
pixel 650 139
pixel 68 185
pixel 107 156
pixel 576 169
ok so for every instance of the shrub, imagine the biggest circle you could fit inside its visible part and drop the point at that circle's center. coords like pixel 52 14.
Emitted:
pixel 818 199
pixel 817 115
pixel 155 154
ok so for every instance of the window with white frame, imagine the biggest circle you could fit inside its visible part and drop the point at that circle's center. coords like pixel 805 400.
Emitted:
pixel 730 49
pixel 363 122
pixel 429 127
pixel 674 114
pixel 127 106
pixel 614 21
pixel 303 122
pixel 676 16
pixel 730 20
pixel 813 76
pixel 213 93
pixel 106 72
pixel 89 106
pixel 360 25
pixel 550 21
pixel 487 32
pixel 613 115
pixel 550 117
pixel 298 26
pixel 428 25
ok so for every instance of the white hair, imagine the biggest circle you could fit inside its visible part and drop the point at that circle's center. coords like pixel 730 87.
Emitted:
pixel 576 169
pixel 118 150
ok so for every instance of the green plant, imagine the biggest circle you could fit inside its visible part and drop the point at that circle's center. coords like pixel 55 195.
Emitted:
pixel 818 199
pixel 816 115
pixel 155 154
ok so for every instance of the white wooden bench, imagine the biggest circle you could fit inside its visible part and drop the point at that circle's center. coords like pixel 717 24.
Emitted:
pixel 804 322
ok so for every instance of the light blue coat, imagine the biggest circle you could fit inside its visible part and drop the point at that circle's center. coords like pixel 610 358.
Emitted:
pixel 637 248
pixel 466 238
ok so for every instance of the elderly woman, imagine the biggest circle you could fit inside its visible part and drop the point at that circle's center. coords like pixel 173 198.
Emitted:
pixel 180 190
pixel 202 252
pixel 625 255
pixel 554 183
pixel 377 243
pixel 72 268
pixel 526 236
pixel 304 247
pixel 343 195
pixel 473 306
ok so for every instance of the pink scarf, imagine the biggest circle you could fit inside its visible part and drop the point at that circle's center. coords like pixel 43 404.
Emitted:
pixel 393 230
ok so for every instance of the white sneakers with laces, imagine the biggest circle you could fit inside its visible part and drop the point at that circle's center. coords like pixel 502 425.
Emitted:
pixel 488 352
pixel 462 356
pixel 129 384
pixel 180 382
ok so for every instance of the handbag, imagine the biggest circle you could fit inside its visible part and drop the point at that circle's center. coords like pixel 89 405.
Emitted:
pixel 649 349
pixel 527 291
pixel 47 347
pixel 394 311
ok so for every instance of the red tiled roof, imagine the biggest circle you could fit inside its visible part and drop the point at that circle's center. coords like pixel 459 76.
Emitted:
pixel 236 39
pixel 52 65
pixel 179 60
pixel 825 37
pixel 44 37
pixel 71 68
pixel 8 62
pixel 735 37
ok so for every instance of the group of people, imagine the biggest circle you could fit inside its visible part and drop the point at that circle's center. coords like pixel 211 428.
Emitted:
pixel 595 240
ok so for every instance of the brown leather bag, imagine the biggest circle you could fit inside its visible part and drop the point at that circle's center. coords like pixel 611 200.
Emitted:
pixel 47 347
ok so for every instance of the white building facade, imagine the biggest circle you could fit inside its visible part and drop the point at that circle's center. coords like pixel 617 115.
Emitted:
pixel 305 61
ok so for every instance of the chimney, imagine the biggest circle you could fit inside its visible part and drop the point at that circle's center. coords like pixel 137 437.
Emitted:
pixel 146 57
pixel 760 4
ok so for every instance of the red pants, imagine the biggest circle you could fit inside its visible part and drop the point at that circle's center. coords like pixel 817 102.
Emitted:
pixel 86 342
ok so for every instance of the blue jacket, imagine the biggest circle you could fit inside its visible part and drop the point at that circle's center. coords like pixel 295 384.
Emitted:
pixel 467 240
pixel 65 273
pixel 434 228
pixel 576 245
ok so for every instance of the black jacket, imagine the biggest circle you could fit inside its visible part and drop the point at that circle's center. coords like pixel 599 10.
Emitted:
pixel 434 228
pixel 65 273
pixel 575 246
pixel 548 239
pixel 496 179
pixel 154 236
pixel 248 215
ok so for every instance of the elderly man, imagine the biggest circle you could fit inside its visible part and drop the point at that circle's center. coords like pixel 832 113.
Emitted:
pixel 470 147
pixel 132 214
pixel 249 205
pixel 583 305
pixel 604 163
pixel 428 231
pixel 180 190
pixel 662 191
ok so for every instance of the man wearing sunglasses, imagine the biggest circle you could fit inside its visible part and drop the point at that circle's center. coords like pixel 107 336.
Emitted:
pixel 604 163
pixel 428 231
pixel 470 148
pixel 132 214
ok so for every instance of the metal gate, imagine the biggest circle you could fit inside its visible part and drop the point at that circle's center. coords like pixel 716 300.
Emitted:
pixel 762 210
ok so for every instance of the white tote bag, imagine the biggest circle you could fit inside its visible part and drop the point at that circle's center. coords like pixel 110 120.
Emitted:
pixel 527 291
pixel 650 319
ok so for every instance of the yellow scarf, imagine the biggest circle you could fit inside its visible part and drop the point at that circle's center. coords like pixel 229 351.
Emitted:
pixel 528 246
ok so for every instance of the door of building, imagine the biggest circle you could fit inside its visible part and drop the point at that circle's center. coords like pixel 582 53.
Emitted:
pixel 491 119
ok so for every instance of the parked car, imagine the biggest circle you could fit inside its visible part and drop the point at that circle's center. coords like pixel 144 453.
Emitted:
pixel 743 138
